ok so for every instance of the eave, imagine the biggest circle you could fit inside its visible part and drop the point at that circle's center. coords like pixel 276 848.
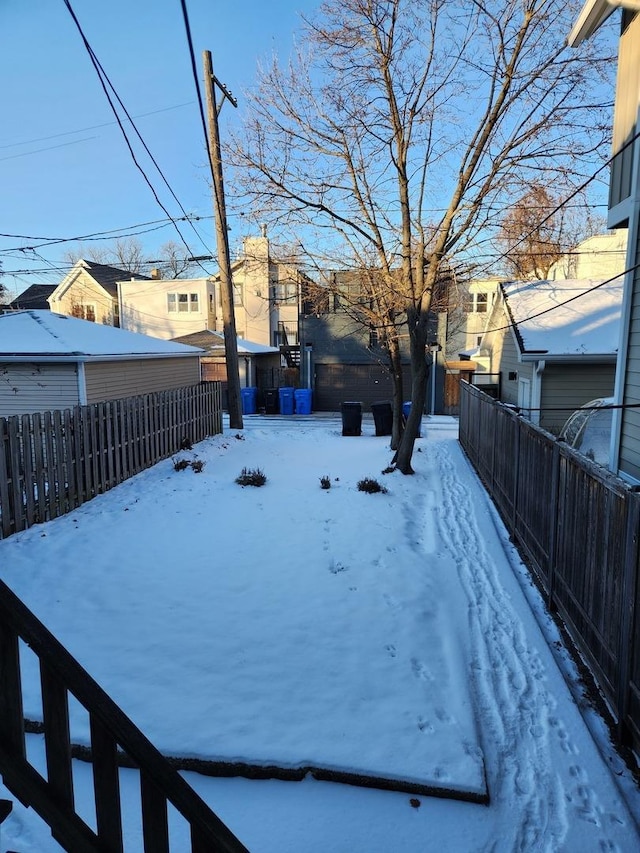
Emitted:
pixel 594 13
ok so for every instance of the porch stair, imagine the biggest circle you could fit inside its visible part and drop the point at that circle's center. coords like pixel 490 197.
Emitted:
pixel 113 736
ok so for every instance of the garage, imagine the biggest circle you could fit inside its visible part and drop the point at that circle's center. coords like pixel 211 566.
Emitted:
pixel 367 383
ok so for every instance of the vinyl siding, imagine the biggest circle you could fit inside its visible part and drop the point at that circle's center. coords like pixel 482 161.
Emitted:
pixel 82 292
pixel 569 386
pixel 32 387
pixel 110 380
pixel 501 348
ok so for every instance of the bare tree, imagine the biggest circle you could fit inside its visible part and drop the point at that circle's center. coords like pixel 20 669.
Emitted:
pixel 174 261
pixel 128 253
pixel 402 128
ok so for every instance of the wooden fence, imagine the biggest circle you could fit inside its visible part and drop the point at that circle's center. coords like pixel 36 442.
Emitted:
pixel 52 462
pixel 115 740
pixel 577 526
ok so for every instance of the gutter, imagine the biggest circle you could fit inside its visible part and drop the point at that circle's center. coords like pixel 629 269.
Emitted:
pixel 74 358
pixel 594 13
pixel 570 358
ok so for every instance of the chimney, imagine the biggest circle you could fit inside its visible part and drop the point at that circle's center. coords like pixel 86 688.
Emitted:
pixel 155 273
pixel 263 229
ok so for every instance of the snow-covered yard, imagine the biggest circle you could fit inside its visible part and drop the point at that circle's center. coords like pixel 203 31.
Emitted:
pixel 386 635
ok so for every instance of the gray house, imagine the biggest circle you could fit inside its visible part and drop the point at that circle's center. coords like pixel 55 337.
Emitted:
pixel 51 361
pixel 554 345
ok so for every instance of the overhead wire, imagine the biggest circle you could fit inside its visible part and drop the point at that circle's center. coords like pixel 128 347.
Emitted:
pixel 104 80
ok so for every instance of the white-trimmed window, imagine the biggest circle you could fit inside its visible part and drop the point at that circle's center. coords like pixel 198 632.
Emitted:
pixel 478 303
pixel 182 302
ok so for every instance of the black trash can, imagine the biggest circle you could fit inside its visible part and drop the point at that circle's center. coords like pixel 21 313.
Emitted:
pixel 382 417
pixel 271 401
pixel 351 418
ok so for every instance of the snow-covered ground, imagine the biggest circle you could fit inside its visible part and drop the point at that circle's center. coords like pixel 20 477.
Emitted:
pixel 390 635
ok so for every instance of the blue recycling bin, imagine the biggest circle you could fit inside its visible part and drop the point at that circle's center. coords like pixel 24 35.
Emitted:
pixel 406 408
pixel 303 401
pixel 286 401
pixel 249 397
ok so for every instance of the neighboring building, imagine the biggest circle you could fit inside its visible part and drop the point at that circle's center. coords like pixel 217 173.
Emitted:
pixel 53 361
pixel 347 359
pixel 36 297
pixel 254 360
pixel 624 212
pixel 554 345
pixel 267 295
pixel 599 257
pixel 89 292
pixel 461 328
pixel 167 308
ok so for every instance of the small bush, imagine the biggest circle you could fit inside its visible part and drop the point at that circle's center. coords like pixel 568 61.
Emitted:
pixel 325 482
pixel 371 486
pixel 251 477
pixel 197 465
pixel 185 444
pixel 180 464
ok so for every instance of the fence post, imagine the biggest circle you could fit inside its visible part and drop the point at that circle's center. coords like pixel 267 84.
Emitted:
pixel 628 615
pixel 516 476
pixel 553 526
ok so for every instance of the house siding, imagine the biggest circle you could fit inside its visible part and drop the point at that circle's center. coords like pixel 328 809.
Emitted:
pixel 32 387
pixel 500 346
pixel 81 292
pixel 144 307
pixel 568 386
pixel 110 380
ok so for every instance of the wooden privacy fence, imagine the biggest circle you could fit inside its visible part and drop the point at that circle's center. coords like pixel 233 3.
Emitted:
pixel 52 462
pixel 577 525
pixel 114 740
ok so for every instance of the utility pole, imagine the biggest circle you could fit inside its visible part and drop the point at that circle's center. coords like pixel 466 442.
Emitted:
pixel 222 238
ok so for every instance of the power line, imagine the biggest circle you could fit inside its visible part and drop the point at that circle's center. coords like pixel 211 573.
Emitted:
pixel 86 129
pixel 104 79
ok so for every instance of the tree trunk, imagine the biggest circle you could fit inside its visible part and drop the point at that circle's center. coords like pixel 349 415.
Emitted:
pixel 419 377
pixel 395 360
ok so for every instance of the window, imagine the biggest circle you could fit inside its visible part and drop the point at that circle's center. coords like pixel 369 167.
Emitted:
pixel 478 303
pixel 182 302
pixel 284 291
pixel 84 312
pixel 373 338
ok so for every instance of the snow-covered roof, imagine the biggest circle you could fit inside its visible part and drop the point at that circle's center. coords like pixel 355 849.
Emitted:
pixel 565 317
pixel 210 340
pixel 44 334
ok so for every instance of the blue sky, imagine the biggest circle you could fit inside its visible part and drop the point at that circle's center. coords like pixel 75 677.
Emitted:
pixel 64 166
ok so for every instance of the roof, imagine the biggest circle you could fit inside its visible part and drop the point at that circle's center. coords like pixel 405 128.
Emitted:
pixel 107 276
pixel 209 340
pixel 56 337
pixel 565 317
pixel 34 297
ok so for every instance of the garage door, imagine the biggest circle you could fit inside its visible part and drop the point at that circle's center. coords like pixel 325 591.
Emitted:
pixel 367 383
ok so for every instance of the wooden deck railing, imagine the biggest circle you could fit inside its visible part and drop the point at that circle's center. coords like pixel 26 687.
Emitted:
pixel 52 462
pixel 578 527
pixel 112 734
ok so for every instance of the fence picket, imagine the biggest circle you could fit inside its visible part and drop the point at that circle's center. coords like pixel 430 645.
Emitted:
pixel 577 525
pixel 52 462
